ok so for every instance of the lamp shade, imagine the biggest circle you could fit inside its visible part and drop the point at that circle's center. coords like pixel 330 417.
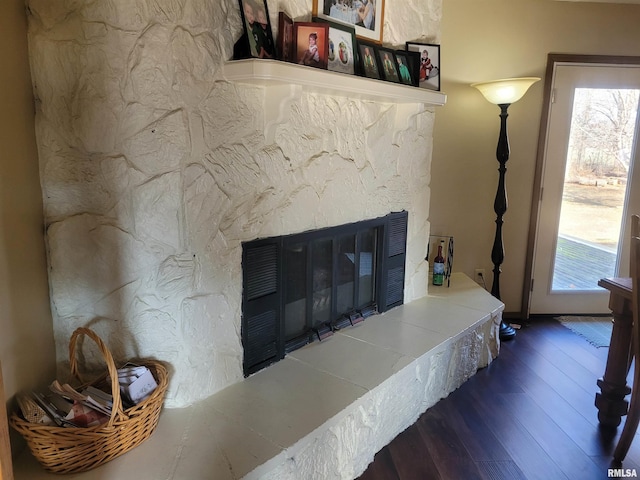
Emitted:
pixel 506 90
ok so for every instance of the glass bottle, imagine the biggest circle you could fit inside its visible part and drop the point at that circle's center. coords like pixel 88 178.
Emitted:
pixel 438 266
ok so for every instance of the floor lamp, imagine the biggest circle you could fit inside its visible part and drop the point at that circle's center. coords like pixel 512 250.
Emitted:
pixel 502 93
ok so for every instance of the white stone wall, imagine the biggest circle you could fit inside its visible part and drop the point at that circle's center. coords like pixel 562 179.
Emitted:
pixel 154 170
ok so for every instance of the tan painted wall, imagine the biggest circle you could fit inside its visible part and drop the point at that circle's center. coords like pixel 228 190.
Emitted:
pixel 26 332
pixel 491 39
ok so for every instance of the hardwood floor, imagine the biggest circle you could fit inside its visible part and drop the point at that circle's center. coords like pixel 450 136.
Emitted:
pixel 529 415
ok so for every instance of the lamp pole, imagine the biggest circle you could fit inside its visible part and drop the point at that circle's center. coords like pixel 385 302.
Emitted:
pixel 500 207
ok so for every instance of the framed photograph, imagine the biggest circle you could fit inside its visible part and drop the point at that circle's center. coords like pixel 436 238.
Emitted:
pixel 429 72
pixel 285 37
pixel 311 44
pixel 368 60
pixel 407 64
pixel 257 28
pixel 414 66
pixel 342 53
pixel 388 65
pixel 365 16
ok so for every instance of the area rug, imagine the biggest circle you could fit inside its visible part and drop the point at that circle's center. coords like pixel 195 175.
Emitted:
pixel 596 330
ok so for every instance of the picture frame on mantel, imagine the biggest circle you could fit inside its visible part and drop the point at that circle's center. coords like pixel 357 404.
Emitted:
pixel 285 37
pixel 388 65
pixel 369 60
pixel 342 55
pixel 257 40
pixel 365 16
pixel 408 65
pixel 429 71
pixel 311 44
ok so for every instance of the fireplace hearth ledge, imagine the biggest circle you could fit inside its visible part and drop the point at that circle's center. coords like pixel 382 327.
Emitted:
pixel 326 409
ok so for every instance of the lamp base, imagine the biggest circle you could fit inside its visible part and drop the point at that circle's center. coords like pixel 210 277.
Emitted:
pixel 507 332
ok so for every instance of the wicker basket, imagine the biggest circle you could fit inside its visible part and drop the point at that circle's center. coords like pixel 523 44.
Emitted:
pixel 67 450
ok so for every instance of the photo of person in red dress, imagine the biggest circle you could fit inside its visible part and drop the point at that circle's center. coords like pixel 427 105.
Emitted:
pixel 425 66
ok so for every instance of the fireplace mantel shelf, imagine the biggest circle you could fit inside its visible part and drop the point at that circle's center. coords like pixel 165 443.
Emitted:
pixel 273 72
pixel 285 82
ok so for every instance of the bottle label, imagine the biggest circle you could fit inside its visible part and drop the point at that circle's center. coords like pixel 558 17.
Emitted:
pixel 438 273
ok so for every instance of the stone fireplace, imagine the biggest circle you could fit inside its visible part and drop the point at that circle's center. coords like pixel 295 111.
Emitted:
pixel 155 171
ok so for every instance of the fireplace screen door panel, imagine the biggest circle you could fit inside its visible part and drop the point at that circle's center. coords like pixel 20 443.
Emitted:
pixel 367 267
pixel 322 282
pixel 302 287
pixel 261 304
pixel 328 279
pixel 395 257
pixel 295 287
pixel 346 272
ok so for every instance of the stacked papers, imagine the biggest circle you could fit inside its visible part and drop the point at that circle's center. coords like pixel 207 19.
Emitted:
pixel 98 400
pixel 85 409
pixel 65 406
pixel 90 396
pixel 136 382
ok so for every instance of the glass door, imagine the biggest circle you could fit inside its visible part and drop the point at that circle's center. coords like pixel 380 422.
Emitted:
pixel 586 186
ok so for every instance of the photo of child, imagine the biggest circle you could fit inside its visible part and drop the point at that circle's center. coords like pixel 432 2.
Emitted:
pixel 311 44
pixel 369 64
pixel 257 28
pixel 341 49
pixel 264 40
pixel 388 62
pixel 311 57
pixel 403 69
pixel 429 72
pixel 425 66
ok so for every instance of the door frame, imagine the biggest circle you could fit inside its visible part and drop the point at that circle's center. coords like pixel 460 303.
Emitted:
pixel 6 468
pixel 552 60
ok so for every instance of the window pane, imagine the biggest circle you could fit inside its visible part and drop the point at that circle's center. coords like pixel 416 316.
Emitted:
pixel 366 282
pixel 598 162
pixel 322 281
pixel 295 257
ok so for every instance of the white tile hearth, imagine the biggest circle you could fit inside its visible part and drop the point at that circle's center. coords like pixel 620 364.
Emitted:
pixel 325 410
pixel 356 361
pixel 286 403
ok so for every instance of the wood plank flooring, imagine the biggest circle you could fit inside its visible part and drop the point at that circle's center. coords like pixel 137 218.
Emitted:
pixel 529 415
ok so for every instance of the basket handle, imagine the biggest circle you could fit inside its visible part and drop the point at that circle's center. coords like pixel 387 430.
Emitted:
pixel 116 409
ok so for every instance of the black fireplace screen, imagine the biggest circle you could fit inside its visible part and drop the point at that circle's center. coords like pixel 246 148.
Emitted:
pixel 302 287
